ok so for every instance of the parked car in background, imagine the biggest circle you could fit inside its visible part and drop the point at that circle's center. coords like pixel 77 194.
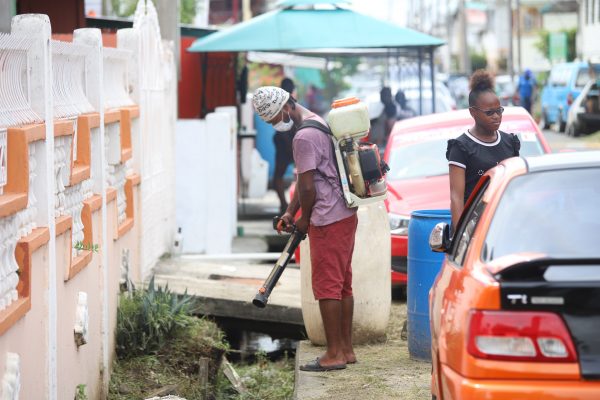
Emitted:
pixel 506 88
pixel 418 176
pixel 584 114
pixel 563 86
pixel 443 98
pixel 458 84
pixel 515 309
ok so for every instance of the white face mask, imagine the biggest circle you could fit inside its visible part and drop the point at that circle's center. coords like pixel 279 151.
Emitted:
pixel 283 126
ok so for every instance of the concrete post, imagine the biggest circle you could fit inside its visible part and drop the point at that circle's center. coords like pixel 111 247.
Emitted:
pixel 168 19
pixel 40 60
pixel 7 12
pixel 129 39
pixel 94 76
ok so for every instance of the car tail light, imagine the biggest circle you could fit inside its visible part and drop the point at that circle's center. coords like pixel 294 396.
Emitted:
pixel 519 336
pixel 570 99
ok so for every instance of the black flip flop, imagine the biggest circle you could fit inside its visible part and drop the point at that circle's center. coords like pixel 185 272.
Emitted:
pixel 315 366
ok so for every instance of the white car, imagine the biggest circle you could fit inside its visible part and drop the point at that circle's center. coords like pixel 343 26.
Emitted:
pixel 506 88
pixel 443 98
pixel 584 114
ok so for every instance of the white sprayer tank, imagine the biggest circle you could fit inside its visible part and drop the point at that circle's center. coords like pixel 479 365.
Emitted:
pixel 371 279
pixel 349 118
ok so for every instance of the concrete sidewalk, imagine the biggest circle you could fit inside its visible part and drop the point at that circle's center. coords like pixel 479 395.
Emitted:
pixel 384 370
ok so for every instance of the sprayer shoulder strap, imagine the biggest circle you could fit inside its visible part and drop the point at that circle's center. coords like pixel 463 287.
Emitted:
pixel 311 123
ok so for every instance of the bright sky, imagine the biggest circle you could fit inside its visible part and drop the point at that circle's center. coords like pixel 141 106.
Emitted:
pixel 390 10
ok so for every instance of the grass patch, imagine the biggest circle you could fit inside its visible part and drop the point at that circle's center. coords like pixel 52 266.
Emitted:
pixel 176 364
pixel 160 345
pixel 264 380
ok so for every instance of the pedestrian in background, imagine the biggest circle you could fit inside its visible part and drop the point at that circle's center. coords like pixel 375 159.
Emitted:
pixel 482 146
pixel 526 89
pixel 283 150
pixel 389 111
pixel 331 226
pixel 314 99
pixel 403 110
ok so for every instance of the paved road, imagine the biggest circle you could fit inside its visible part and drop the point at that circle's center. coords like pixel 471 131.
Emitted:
pixel 560 141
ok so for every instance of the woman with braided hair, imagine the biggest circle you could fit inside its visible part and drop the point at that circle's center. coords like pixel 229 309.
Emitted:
pixel 482 146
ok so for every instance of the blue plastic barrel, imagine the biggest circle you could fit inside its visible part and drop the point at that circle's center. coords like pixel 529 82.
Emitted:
pixel 423 266
pixel 264 142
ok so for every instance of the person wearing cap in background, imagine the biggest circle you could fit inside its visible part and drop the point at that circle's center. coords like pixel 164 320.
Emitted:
pixel 330 225
pixel 526 89
pixel 283 151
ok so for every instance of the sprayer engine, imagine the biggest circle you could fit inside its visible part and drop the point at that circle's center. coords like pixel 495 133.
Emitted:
pixel 360 166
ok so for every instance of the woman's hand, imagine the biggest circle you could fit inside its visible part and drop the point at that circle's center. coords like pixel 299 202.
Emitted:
pixel 457 192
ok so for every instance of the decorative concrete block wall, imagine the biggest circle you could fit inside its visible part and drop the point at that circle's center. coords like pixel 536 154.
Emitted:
pixel 79 131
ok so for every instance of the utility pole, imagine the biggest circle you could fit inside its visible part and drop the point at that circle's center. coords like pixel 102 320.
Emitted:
pixel 246 10
pixel 510 62
pixel 106 8
pixel 466 60
pixel 520 69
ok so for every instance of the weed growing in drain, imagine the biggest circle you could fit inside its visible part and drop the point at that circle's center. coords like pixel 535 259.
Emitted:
pixel 160 344
pixel 79 245
pixel 147 319
pixel 263 379
pixel 80 393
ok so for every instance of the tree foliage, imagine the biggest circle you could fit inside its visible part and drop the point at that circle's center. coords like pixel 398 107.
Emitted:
pixel 478 61
pixel 334 77
pixel 126 8
pixel 543 43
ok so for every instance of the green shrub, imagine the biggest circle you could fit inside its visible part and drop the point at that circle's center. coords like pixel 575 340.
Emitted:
pixel 147 319
pixel 177 363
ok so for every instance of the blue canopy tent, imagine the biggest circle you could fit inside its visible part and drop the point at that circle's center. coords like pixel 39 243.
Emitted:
pixel 322 27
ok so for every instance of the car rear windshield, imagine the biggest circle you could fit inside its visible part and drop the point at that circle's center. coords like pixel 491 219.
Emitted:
pixel 548 214
pixel 418 160
pixel 583 76
pixel 527 133
pixel 428 158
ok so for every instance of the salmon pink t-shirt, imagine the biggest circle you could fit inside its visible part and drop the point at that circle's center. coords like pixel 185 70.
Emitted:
pixel 313 150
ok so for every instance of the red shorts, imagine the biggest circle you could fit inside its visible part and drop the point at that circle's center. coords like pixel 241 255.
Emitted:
pixel 331 248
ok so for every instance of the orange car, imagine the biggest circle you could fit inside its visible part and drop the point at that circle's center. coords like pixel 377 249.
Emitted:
pixel 515 309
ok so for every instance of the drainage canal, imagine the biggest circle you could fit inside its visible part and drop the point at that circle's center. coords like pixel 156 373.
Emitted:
pixel 248 338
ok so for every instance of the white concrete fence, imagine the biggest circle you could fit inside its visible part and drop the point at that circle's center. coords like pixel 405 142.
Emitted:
pixel 87 195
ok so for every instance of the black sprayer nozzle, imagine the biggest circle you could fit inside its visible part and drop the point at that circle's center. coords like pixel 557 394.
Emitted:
pixel 261 298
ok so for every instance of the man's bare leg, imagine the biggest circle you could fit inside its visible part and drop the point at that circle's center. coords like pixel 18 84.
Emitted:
pixel 331 313
pixel 347 314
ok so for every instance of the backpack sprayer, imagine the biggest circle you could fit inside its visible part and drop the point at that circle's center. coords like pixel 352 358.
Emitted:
pixel 360 169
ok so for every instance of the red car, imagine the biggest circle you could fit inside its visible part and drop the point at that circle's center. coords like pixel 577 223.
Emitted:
pixel 418 176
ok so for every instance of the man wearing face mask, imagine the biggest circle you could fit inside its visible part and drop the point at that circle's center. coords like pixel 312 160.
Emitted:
pixel 282 139
pixel 330 225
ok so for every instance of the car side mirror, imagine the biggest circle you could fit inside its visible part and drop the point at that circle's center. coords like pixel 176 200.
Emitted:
pixel 439 239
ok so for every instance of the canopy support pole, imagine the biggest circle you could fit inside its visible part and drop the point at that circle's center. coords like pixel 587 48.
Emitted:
pixel 432 73
pixel 203 108
pixel 420 81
